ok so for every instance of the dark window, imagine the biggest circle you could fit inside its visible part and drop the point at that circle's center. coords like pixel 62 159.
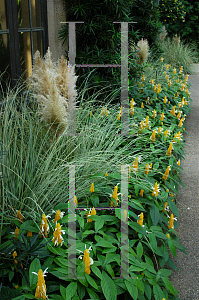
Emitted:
pixel 23 31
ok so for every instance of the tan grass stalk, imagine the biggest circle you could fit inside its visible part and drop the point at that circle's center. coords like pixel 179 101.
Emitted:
pixel 163 34
pixel 54 86
pixel 176 39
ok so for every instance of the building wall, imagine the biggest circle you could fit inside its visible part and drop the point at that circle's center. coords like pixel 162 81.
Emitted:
pixel 56 14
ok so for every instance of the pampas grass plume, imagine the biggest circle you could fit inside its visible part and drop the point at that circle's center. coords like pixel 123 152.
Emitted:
pixel 54 86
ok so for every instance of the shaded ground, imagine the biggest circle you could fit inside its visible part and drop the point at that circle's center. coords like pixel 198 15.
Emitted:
pixel 186 280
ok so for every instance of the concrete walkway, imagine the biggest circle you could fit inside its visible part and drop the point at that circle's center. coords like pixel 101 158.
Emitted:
pixel 186 280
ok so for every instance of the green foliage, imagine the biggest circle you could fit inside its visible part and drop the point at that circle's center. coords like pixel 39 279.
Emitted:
pixel 189 32
pixel 172 12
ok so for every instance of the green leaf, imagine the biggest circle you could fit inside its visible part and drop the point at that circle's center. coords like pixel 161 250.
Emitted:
pixel 110 270
pixel 164 272
pixel 139 249
pixel 99 223
pixel 63 291
pixel 155 215
pixel 137 187
pixel 94 200
pixel 81 290
pixel 137 227
pixel 34 267
pixel 91 281
pixel 169 286
pixel 147 290
pixel 109 218
pixel 108 287
pixel 102 242
pixel 133 290
pixel 11 275
pixel 172 247
pixel 171 161
pixel 28 226
pixel 92 294
pixel 173 207
pixel 71 290
pixel 158 293
pixel 81 221
pixel 87 232
pixel 155 166
pixel 115 175
pixel 96 271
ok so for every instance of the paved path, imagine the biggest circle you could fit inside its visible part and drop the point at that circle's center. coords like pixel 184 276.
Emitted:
pixel 186 280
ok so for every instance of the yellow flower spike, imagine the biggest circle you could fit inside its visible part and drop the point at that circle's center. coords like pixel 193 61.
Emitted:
pixel 90 213
pixel 169 149
pixel 16 287
pixel 86 259
pixel 152 138
pixel 174 70
pixel 92 188
pixel 171 221
pixel 159 88
pixel 44 228
pixel 91 114
pixel 141 192
pixel 135 165
pixel 143 78
pixel 57 216
pixel 140 221
pixel 165 206
pixel 106 174
pixel 178 163
pixel 159 130
pixel 162 117
pixel 140 84
pixel 166 174
pixel 118 117
pixel 75 200
pixel 57 235
pixel 155 190
pixel 29 233
pixel 154 88
pixel 114 196
pixel 147 168
pixel 168 235
pixel 19 216
pixel 142 105
pixel 180 123
pixel 16 233
pixel 106 112
pixel 146 124
pixel 102 110
pixel 125 215
pixel 170 82
pixel 165 99
pixel 173 111
pixel 178 80
pixel 41 286
pixel 14 254
pixel 162 58
pixel 141 126
pixel 154 113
